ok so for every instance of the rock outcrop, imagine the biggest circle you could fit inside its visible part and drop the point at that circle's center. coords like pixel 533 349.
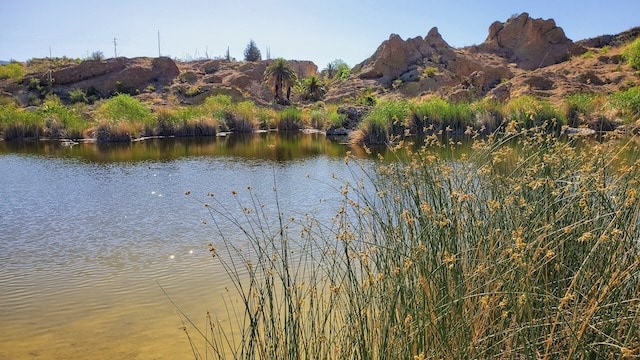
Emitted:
pixel 107 77
pixel 530 43
pixel 394 57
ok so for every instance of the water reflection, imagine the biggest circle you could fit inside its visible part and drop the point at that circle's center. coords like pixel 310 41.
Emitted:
pixel 267 146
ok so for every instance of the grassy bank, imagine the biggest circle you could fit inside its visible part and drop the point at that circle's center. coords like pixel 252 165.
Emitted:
pixel 525 248
pixel 124 118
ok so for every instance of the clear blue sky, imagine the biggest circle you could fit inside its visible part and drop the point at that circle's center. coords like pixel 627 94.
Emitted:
pixel 320 31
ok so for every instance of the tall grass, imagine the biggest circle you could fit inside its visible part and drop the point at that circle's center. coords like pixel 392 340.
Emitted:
pixel 289 119
pixel 437 114
pixel 384 121
pixel 185 121
pixel 18 123
pixel 529 112
pixel 627 103
pixel 525 248
pixel 122 118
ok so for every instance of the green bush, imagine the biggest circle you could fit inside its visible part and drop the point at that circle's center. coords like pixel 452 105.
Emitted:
pixel 579 106
pixel 61 121
pixel 627 102
pixel 18 123
pixel 122 117
pixel 289 119
pixel 632 54
pixel 78 96
pixel 13 71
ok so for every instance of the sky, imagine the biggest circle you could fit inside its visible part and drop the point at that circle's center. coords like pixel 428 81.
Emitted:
pixel 320 31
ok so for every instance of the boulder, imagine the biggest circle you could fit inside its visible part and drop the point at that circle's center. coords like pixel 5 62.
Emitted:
pixel 530 43
pixel 395 56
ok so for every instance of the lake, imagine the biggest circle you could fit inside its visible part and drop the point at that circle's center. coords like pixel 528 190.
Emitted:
pixel 88 232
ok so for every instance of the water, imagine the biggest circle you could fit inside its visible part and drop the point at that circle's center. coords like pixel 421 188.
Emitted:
pixel 87 233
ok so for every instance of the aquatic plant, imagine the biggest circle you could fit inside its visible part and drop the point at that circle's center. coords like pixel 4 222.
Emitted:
pixel 524 248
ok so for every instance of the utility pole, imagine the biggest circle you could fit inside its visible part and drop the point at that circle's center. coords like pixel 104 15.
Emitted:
pixel 115 48
pixel 50 57
pixel 268 53
pixel 159 44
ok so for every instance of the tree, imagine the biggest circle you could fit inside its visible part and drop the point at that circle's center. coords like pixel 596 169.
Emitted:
pixel 312 88
pixel 96 55
pixel 330 70
pixel 252 53
pixel 336 69
pixel 279 76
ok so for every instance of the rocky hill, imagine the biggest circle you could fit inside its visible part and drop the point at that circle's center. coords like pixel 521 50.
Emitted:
pixel 522 55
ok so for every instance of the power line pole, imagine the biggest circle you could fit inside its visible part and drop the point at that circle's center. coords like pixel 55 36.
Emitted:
pixel 115 48
pixel 159 44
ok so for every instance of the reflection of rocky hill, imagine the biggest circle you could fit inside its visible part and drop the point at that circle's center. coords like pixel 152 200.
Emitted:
pixel 522 55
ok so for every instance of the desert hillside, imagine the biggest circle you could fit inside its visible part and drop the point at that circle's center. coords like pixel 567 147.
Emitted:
pixel 520 56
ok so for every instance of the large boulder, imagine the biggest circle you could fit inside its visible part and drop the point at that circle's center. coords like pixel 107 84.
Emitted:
pixel 395 56
pixel 530 43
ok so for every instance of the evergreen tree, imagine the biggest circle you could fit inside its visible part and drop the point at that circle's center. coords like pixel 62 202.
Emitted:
pixel 252 53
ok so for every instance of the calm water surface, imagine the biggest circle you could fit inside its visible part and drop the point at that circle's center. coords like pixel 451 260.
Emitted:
pixel 88 232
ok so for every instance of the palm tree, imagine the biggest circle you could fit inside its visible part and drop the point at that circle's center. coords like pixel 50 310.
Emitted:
pixel 313 88
pixel 330 70
pixel 279 75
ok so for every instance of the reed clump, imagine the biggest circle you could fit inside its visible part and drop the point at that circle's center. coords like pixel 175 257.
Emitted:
pixel 526 247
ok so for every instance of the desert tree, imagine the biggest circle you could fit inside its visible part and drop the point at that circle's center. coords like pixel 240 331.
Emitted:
pixel 252 53
pixel 279 76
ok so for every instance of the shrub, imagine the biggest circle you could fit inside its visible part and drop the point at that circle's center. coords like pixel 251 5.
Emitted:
pixel 289 119
pixel 579 106
pixel 488 115
pixel 13 71
pixel 61 121
pixel 627 103
pixel 430 71
pixel 632 54
pixel 78 96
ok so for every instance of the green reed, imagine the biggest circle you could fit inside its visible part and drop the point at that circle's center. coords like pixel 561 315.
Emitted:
pixel 525 247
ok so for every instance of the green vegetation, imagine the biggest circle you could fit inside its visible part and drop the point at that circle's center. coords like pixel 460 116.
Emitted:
pixel 430 71
pixel 578 107
pixel 289 119
pixel 527 248
pixel 528 112
pixel 438 114
pixel 627 103
pixel 312 88
pixel 251 52
pixel 632 54
pixel 280 76
pixel 13 71
pixel 384 121
pixel 337 69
